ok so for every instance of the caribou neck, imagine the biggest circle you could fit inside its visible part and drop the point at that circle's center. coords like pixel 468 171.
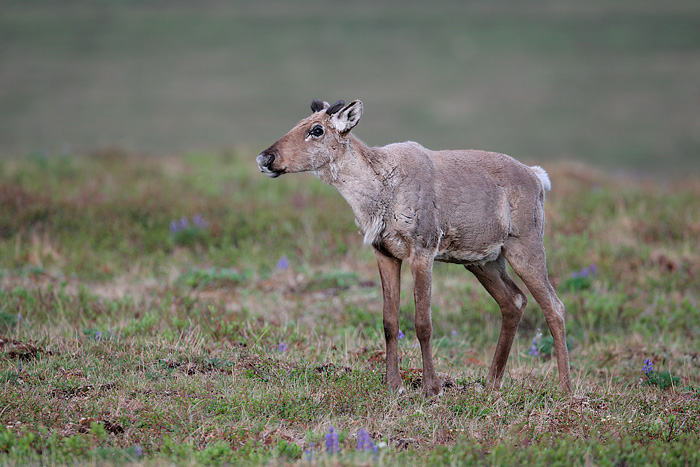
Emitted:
pixel 365 177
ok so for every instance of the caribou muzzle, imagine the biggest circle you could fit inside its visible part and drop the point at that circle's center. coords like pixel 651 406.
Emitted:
pixel 265 160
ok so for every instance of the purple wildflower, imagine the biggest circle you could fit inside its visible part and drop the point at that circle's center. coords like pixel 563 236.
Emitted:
pixel 585 272
pixel 179 225
pixel 648 366
pixel 282 347
pixel 533 349
pixel 364 442
pixel 98 336
pixel 199 221
pixel 454 332
pixel 401 334
pixel 535 344
pixel 283 263
pixel 138 451
pixel 332 441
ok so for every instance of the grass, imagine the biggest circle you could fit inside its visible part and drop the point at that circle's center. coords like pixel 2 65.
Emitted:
pixel 245 341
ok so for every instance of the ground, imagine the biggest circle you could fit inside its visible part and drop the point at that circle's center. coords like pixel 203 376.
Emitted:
pixel 189 310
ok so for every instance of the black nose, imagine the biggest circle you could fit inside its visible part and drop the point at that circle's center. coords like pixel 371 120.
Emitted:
pixel 266 159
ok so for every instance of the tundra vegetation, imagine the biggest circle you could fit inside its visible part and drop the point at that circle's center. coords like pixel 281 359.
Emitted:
pixel 188 310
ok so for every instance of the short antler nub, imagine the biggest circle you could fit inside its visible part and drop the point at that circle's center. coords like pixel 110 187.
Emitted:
pixel 335 107
pixel 316 105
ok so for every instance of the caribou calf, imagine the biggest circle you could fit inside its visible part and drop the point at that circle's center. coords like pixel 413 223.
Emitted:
pixel 474 208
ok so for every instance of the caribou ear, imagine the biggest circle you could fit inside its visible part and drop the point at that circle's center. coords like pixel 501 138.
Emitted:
pixel 317 105
pixel 346 119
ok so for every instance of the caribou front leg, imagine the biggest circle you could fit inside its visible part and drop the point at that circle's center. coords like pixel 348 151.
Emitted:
pixel 422 269
pixel 390 273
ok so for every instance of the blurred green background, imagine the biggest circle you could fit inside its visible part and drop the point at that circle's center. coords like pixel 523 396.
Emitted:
pixel 614 84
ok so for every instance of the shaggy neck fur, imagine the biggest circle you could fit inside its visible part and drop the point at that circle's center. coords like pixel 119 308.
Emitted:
pixel 359 173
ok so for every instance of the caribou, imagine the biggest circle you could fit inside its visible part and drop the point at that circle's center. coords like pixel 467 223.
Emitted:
pixel 475 208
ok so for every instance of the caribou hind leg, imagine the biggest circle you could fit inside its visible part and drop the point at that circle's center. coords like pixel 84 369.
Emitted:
pixel 527 257
pixel 495 279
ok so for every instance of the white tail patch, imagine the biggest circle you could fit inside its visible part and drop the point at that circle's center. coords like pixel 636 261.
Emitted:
pixel 542 175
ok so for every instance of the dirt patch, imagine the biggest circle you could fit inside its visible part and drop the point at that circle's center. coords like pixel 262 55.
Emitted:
pixel 81 391
pixel 330 368
pixel 17 349
pixel 414 378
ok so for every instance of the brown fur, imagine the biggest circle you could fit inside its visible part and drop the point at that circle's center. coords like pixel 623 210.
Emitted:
pixel 473 208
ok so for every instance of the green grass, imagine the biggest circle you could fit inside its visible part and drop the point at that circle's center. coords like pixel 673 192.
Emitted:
pixel 124 344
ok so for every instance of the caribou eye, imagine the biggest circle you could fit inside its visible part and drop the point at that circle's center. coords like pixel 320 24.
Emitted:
pixel 316 131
